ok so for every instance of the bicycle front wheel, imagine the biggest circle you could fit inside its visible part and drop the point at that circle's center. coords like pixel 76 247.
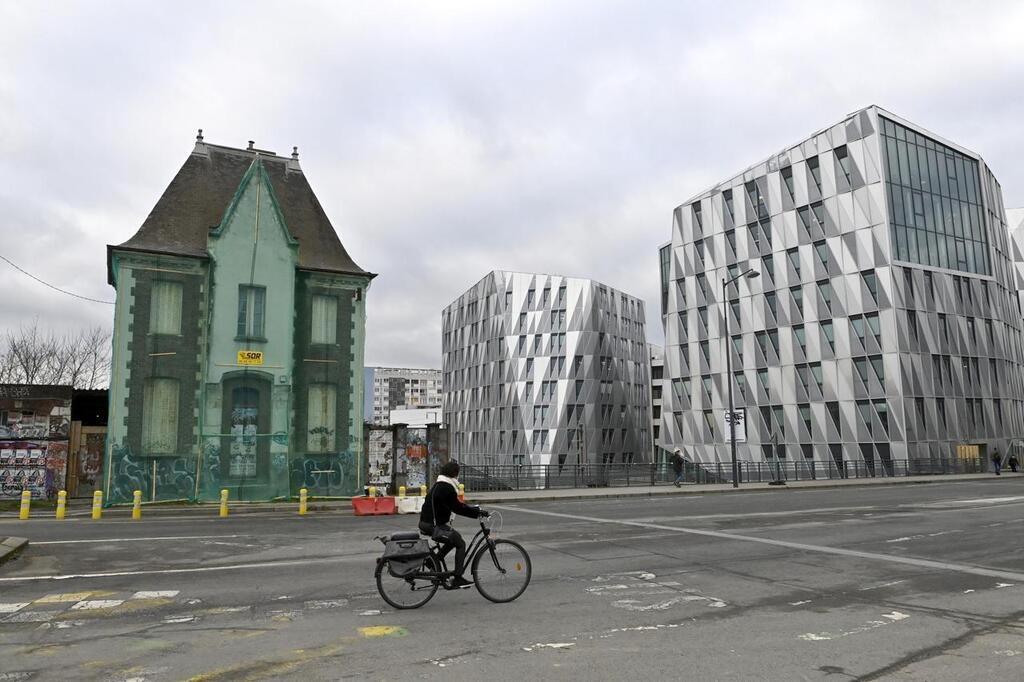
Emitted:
pixel 406 592
pixel 502 570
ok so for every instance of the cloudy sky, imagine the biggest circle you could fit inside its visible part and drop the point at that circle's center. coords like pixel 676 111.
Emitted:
pixel 446 139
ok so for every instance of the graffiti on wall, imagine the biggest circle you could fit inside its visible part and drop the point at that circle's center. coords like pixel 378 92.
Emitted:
pixel 378 455
pixel 412 456
pixel 33 441
pixel 324 475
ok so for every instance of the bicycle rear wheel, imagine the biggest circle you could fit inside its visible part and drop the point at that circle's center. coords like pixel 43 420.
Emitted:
pixel 408 592
pixel 502 573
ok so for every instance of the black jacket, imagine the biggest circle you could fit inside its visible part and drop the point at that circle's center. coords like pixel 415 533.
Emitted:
pixel 444 500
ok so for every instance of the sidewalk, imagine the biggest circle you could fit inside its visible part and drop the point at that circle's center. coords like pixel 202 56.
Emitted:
pixel 9 547
pixel 78 509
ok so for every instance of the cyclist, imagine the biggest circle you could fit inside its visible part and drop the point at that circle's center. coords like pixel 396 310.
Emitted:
pixel 435 518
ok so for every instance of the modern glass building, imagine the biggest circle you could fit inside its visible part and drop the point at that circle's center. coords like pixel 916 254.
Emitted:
pixel 544 369
pixel 885 323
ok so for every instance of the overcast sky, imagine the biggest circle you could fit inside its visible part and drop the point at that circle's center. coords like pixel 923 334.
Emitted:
pixel 448 139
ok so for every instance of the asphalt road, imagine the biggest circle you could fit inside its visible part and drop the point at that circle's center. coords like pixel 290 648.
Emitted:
pixel 897 582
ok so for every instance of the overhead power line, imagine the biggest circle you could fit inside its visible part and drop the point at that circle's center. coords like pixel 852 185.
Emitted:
pixel 55 288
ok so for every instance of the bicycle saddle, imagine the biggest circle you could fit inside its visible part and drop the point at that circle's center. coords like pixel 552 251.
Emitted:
pixel 411 535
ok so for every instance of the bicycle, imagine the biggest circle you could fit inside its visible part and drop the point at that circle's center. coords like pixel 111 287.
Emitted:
pixel 501 568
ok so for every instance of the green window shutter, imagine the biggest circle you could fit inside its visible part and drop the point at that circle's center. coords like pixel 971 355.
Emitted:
pixel 325 319
pixel 321 428
pixel 160 417
pixel 165 308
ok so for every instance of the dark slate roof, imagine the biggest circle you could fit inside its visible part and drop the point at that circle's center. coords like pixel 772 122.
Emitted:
pixel 200 193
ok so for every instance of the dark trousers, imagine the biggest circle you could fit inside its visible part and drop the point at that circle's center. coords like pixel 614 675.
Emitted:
pixel 454 541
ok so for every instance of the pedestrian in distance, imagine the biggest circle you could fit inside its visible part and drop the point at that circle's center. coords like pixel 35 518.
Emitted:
pixel 1012 462
pixel 677 467
pixel 997 461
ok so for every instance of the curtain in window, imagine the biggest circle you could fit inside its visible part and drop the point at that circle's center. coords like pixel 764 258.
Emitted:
pixel 165 308
pixel 160 417
pixel 325 319
pixel 251 306
pixel 323 401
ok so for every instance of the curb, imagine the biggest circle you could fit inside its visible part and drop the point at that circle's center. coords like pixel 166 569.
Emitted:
pixel 10 547
pixel 763 488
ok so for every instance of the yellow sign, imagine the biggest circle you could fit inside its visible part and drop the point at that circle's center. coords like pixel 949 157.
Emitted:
pixel 250 357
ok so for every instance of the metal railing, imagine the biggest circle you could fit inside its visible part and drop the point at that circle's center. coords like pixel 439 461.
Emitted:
pixel 594 475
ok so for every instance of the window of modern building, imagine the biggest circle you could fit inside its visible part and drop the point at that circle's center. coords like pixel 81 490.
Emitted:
pixel 787 181
pixel 815 172
pixel 755 237
pixel 922 420
pixel 709 420
pixel 857 323
pixel 762 380
pixel 821 248
pixel 665 255
pixel 794 260
pixel 698 217
pixel 829 332
pixel 322 420
pixel 935 202
pixel 798 298
pixel 160 417
pixel 768 267
pixel 819 378
pixel 825 289
pixel 324 319
pixel 871 282
pixel 737 346
pixel 741 384
pixel 165 308
pixel 800 335
pixel 805 416
pixel 729 209
pixel 874 326
pixel 730 238
pixel 844 178
pixel 251 311
pixel 833 411
pixel 529 298
pixel 772 301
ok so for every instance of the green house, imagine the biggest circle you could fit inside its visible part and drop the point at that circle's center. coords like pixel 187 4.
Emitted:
pixel 238 339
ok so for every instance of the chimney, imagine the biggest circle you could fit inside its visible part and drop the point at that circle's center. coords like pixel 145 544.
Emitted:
pixel 293 163
pixel 201 147
pixel 251 147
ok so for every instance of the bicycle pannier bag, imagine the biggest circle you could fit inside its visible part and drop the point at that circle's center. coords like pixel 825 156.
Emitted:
pixel 405 556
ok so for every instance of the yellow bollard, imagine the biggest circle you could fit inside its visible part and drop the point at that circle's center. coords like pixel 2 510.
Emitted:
pixel 62 504
pixel 26 505
pixel 224 502
pixel 137 505
pixel 401 491
pixel 97 505
pixel 423 491
pixel 303 496
pixel 372 492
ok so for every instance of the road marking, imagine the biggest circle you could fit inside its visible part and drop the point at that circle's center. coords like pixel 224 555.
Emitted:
pixel 383 631
pixel 201 569
pixel 97 604
pixel 11 608
pixel 890 618
pixel 823 549
pixel 59 598
pixel 160 594
pixel 979 500
pixel 165 537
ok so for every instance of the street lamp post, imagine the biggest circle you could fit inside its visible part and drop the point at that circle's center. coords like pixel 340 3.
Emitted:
pixel 749 273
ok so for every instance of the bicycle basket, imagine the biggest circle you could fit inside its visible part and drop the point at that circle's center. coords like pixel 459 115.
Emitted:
pixel 405 556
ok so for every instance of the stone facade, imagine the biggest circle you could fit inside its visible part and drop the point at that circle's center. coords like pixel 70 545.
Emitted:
pixel 238 340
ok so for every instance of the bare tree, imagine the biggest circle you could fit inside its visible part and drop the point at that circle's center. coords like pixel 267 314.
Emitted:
pixel 32 356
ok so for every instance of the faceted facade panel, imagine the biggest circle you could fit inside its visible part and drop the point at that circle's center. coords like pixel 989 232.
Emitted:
pixel 543 369
pixel 884 324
